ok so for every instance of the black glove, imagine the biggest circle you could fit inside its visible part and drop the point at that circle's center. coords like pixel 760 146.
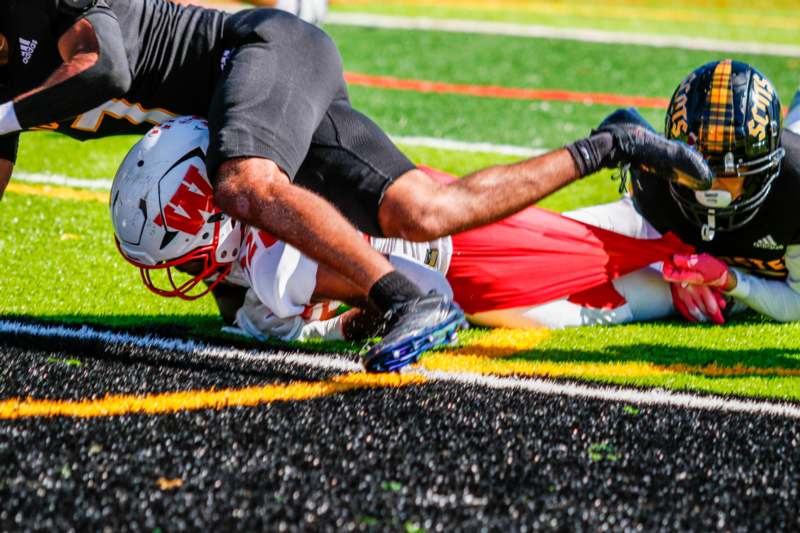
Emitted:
pixel 613 144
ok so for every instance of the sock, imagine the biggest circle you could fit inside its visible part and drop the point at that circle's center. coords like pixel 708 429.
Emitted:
pixel 590 154
pixel 392 290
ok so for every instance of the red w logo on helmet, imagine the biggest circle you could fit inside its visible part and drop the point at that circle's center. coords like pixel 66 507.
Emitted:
pixel 186 207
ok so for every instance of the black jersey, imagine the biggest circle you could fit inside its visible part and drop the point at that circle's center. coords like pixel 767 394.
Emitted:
pixel 174 54
pixel 760 245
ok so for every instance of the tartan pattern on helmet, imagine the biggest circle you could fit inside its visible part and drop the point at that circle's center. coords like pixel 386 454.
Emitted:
pixel 717 128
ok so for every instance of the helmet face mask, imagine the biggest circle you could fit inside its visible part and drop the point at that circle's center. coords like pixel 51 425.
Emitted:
pixel 203 268
pixel 730 112
pixel 164 216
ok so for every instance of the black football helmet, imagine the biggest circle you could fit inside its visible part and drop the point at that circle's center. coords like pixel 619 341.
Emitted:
pixel 731 113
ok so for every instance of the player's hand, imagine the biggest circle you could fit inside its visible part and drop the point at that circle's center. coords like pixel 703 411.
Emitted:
pixel 698 303
pixel 671 160
pixel 698 269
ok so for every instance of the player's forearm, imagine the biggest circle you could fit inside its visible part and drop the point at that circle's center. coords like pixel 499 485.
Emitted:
pixel 773 298
pixel 95 70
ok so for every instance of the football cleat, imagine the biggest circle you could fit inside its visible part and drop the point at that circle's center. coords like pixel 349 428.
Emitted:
pixel 412 329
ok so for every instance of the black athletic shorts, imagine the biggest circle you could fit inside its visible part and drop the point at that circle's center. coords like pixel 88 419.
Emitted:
pixel 282 96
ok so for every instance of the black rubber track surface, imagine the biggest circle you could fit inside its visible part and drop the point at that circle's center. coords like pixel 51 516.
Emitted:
pixel 437 456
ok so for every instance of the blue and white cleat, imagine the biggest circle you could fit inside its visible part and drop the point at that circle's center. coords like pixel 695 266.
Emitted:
pixel 412 329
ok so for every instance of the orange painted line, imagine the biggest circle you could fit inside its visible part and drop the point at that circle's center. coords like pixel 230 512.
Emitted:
pixel 510 93
pixel 173 402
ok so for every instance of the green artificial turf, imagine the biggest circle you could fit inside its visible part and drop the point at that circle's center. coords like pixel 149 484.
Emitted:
pixel 770 22
pixel 50 274
pixel 51 153
pixel 539 63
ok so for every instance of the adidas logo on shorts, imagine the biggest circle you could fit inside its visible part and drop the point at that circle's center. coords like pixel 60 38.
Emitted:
pixel 767 243
pixel 27 48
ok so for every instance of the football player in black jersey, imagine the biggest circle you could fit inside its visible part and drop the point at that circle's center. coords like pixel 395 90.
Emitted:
pixel 745 228
pixel 273 91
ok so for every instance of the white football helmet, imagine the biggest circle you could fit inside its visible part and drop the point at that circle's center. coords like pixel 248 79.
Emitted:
pixel 163 212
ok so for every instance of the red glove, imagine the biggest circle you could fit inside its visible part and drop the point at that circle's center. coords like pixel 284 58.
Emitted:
pixel 696 269
pixel 698 303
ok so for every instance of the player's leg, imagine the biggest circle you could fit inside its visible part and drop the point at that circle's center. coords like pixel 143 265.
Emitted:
pixel 619 216
pixel 417 208
pixel 273 94
pixel 257 192
pixel 639 296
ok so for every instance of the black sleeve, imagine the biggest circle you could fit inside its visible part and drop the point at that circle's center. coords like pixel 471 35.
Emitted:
pixel 109 78
pixel 8 147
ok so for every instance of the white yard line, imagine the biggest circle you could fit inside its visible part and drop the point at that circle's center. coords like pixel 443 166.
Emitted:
pixel 86 333
pixel 655 397
pixel 463 146
pixel 63 181
pixel 426 142
pixel 634 396
pixel 573 34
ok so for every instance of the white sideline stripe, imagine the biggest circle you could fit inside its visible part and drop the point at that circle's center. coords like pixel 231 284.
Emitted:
pixel 86 333
pixel 634 396
pixel 426 142
pixel 573 34
pixel 462 146
pixel 326 362
pixel 64 181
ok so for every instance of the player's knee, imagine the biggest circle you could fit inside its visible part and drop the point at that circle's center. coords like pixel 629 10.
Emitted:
pixel 416 221
pixel 426 224
pixel 412 209
pixel 244 184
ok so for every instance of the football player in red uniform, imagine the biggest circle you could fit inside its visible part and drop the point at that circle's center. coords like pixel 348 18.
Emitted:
pixel 534 269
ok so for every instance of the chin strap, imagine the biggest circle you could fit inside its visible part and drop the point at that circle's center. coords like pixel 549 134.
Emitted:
pixel 709 228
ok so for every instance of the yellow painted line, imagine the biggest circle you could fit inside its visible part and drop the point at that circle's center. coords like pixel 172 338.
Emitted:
pixel 59 193
pixel 606 10
pixel 169 484
pixel 446 362
pixel 490 355
pixel 173 402
pixel 499 342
